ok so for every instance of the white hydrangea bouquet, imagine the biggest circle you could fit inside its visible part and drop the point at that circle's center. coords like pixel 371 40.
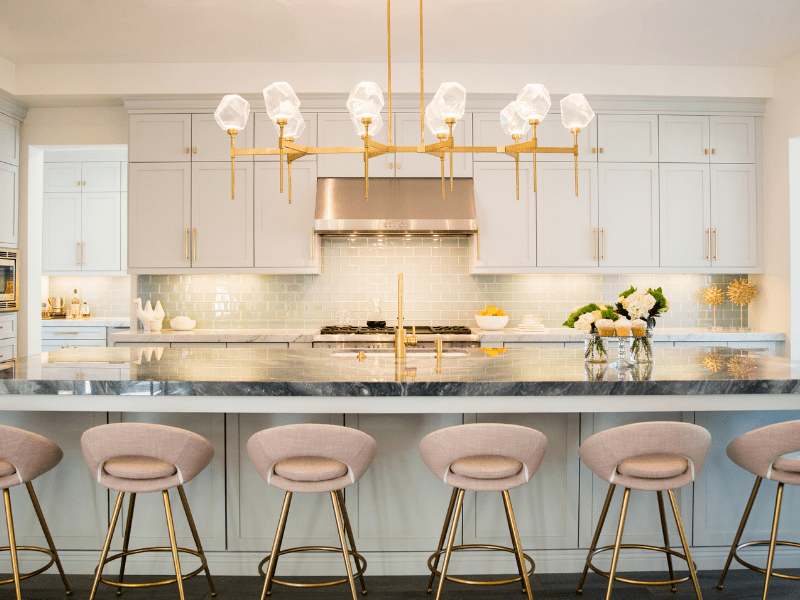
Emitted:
pixel 637 304
pixel 583 319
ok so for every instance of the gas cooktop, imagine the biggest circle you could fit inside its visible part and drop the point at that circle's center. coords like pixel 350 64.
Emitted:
pixel 421 330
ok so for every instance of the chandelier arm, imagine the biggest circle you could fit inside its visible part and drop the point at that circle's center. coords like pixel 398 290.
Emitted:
pixel 281 123
pixel 289 168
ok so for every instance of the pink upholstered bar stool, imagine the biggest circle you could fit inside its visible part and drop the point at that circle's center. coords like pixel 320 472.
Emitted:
pixel 482 457
pixel 23 457
pixel 138 458
pixel 656 457
pixel 761 452
pixel 308 458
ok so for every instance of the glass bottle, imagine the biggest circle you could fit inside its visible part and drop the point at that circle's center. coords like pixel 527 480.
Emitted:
pixel 85 312
pixel 75 306
pixel 376 318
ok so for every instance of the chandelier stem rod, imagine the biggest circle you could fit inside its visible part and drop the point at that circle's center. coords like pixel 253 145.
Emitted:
pixel 389 62
pixel 421 83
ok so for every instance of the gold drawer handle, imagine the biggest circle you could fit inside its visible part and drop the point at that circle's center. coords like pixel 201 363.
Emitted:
pixel 65 332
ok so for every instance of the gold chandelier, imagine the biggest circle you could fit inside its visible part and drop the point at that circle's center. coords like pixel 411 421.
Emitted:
pixel 441 116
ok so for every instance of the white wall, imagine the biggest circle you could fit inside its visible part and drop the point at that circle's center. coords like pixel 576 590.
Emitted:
pixel 7 76
pixel 773 307
pixel 44 127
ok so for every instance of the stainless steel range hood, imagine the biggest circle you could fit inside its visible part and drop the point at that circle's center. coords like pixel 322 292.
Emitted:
pixel 395 207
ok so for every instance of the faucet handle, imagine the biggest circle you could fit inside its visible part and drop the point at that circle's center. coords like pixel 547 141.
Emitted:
pixel 411 340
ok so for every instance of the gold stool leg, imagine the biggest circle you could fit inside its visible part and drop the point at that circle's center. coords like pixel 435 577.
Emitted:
pixel 196 537
pixel 12 542
pixel 617 542
pixel 47 535
pixel 350 536
pixel 343 540
pixel 443 536
pixel 520 566
pixel 523 572
pixel 596 537
pixel 276 545
pixel 450 540
pixel 685 545
pixel 666 536
pixel 739 532
pixel 126 540
pixel 173 543
pixel 106 545
pixel 772 538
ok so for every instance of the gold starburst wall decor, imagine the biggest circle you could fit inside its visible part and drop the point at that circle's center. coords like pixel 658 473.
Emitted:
pixel 742 292
pixel 713 296
pixel 713 362
pixel 742 367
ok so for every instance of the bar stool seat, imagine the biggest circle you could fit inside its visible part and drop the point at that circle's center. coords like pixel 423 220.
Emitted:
pixel 310 469
pixel 24 456
pixel 653 466
pixel 137 458
pixel 486 467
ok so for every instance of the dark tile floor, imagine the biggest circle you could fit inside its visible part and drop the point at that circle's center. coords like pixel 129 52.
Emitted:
pixel 739 585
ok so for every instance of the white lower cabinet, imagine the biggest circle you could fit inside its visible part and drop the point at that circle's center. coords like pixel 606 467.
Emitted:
pixel 63 334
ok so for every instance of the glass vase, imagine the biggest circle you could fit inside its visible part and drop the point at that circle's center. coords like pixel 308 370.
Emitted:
pixel 594 349
pixel 642 348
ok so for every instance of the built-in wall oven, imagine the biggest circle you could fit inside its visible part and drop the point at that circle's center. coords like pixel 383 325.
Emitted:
pixel 8 280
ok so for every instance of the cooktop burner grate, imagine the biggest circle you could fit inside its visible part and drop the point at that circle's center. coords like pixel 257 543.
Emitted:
pixel 421 329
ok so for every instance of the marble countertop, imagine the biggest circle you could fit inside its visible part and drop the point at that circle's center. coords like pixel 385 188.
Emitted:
pixel 90 322
pixel 320 372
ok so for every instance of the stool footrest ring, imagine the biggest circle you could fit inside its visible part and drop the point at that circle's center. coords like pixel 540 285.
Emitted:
pixel 754 567
pixel 636 581
pixel 119 584
pixel 361 566
pixel 433 556
pixel 37 571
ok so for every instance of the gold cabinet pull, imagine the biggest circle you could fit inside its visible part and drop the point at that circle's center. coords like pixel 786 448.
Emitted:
pixel 594 150
pixel 706 150
pixel 65 332
pixel 601 150
pixel 194 244
pixel 708 244
pixel 595 243
pixel 391 165
pixel 603 237
pixel 194 150
pixel 79 183
pixel 78 254
pixel 478 242
pixel 186 245
pixel 713 151
pixel 84 183
pixel 83 253
pixel 715 243
pixel 186 150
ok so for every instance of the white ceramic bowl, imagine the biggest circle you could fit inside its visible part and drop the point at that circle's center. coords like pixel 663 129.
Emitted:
pixel 532 319
pixel 182 324
pixel 491 323
pixel 155 324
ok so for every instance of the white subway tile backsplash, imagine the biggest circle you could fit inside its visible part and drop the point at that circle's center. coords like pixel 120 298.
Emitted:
pixel 108 297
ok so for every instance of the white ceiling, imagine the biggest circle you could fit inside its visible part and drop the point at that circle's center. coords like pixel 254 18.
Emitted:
pixel 733 33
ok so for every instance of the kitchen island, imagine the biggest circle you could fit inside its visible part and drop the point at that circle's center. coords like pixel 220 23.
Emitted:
pixel 227 395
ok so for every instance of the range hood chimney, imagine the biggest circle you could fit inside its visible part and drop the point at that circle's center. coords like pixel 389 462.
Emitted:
pixel 395 207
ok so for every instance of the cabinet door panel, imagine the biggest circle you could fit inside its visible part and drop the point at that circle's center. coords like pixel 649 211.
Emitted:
pixel 486 131
pixel 733 215
pixel 100 176
pixel 266 136
pixel 160 138
pixel 61 232
pixel 211 142
pixel 62 177
pixel 100 231
pixel 507 225
pixel 9 204
pixel 9 140
pixel 284 232
pixel 424 165
pixel 627 138
pixel 628 215
pixel 685 201
pixel 567 230
pixel 683 139
pixel 159 215
pixel 551 132
pixel 222 229
pixel 733 140
pixel 336 130
pixel 8 349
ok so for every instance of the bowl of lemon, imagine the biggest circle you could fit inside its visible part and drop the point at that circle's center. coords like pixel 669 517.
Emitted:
pixel 492 318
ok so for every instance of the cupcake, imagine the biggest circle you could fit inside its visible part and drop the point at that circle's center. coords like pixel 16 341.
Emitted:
pixel 639 328
pixel 604 326
pixel 623 327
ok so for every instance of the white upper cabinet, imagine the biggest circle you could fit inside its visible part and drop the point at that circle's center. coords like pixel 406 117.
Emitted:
pixel 683 139
pixel 685 201
pixel 9 140
pixel 567 229
pixel 161 138
pixel 628 215
pixel 159 218
pixel 733 139
pixel 9 204
pixel 222 228
pixel 266 136
pixel 61 232
pixel 424 165
pixel 284 233
pixel 627 138
pixel 100 231
pixel 211 143
pixel 62 177
pixel 552 133
pixel 486 131
pixel 507 226
pixel 100 176
pixel 336 130
pixel 733 215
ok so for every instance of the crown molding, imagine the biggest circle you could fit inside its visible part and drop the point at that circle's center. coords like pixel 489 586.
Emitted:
pixel 12 109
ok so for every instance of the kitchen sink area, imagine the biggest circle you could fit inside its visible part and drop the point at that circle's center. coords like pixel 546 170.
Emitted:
pixel 411 352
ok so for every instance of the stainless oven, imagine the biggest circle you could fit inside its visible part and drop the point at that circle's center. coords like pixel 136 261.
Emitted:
pixel 8 280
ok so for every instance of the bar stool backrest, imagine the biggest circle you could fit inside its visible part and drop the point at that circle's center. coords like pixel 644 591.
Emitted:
pixel 756 451
pixel 604 451
pixel 30 454
pixel 188 451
